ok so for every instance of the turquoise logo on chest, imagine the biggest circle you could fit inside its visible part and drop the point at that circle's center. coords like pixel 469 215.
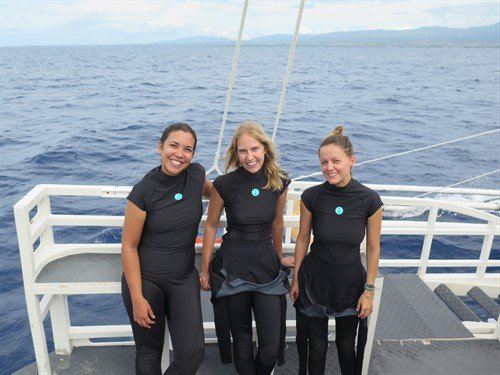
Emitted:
pixel 178 196
pixel 255 192
pixel 339 210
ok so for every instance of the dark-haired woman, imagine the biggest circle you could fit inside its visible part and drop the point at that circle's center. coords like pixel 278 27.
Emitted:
pixel 331 281
pixel 160 283
pixel 246 274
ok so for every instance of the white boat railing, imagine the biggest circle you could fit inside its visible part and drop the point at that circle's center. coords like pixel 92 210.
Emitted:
pixel 35 223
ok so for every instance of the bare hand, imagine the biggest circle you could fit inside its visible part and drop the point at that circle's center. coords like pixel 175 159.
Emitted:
pixel 143 313
pixel 365 304
pixel 204 280
pixel 294 291
pixel 288 262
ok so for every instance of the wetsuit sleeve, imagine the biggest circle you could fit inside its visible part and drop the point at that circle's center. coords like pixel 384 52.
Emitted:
pixel 286 182
pixel 374 203
pixel 137 196
pixel 220 184
pixel 198 172
pixel 307 199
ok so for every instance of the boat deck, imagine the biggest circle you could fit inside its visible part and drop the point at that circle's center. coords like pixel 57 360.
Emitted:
pixel 458 357
pixel 416 334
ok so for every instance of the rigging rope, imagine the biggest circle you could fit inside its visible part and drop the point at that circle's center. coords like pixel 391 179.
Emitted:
pixel 215 166
pixel 288 68
pixel 458 183
pixel 406 152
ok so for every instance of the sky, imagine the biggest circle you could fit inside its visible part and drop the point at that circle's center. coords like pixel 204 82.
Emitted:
pixel 80 22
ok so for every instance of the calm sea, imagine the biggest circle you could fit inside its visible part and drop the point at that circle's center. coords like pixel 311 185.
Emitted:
pixel 93 115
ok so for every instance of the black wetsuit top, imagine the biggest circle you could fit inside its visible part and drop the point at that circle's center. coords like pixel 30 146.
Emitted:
pixel 250 210
pixel 247 260
pixel 331 278
pixel 174 208
pixel 247 253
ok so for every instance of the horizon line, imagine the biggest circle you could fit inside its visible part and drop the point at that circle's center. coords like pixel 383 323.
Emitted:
pixel 179 40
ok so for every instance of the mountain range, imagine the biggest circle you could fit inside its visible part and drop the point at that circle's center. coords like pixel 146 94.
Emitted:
pixel 423 36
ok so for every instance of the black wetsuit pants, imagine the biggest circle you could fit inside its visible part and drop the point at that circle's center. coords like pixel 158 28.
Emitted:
pixel 177 300
pixel 267 310
pixel 312 344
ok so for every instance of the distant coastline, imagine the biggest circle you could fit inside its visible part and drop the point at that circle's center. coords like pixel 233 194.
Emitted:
pixel 436 36
pixel 488 35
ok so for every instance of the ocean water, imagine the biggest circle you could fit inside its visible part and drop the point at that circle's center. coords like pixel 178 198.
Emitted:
pixel 93 115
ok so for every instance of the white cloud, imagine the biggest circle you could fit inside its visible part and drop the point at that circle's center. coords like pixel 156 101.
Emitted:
pixel 144 21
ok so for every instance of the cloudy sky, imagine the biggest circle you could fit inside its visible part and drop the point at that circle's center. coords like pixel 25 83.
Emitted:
pixel 74 22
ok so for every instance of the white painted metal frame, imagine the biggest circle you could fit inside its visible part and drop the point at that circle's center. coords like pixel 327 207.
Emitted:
pixel 44 298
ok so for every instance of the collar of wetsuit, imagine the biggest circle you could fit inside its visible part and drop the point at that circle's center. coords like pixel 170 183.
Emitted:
pixel 165 177
pixel 339 189
pixel 251 176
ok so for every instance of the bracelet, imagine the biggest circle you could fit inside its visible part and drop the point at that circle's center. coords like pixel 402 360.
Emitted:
pixel 370 287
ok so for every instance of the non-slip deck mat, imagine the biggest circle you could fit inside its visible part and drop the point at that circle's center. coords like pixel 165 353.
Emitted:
pixel 458 357
pixel 410 310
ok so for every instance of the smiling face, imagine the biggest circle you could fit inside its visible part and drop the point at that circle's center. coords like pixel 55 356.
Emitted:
pixel 251 153
pixel 336 164
pixel 176 152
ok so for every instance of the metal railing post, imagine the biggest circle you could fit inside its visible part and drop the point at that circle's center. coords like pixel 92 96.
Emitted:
pixel 372 324
pixel 59 317
pixel 47 236
pixel 426 247
pixel 288 230
pixel 23 229
pixel 486 250
pixel 165 356
pixel 496 333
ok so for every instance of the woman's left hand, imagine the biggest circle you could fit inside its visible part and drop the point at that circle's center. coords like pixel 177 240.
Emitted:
pixel 365 304
pixel 204 280
pixel 288 262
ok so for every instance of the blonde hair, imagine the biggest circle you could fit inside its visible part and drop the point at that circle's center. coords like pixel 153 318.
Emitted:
pixel 273 172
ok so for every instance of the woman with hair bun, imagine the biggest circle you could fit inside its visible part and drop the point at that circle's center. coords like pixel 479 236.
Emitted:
pixel 248 272
pixel 331 281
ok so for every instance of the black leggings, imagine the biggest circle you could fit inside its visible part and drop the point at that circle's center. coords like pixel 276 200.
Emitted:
pixel 179 301
pixel 312 344
pixel 267 313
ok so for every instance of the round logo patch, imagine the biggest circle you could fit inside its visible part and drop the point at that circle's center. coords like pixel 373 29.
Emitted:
pixel 178 196
pixel 255 192
pixel 339 210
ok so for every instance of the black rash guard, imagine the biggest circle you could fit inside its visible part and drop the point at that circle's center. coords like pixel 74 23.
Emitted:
pixel 247 259
pixel 331 277
pixel 174 208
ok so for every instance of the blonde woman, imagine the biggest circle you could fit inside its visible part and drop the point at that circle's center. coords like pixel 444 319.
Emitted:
pixel 248 272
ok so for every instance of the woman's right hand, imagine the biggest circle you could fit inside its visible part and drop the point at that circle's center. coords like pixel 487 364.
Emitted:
pixel 143 313
pixel 204 280
pixel 294 291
